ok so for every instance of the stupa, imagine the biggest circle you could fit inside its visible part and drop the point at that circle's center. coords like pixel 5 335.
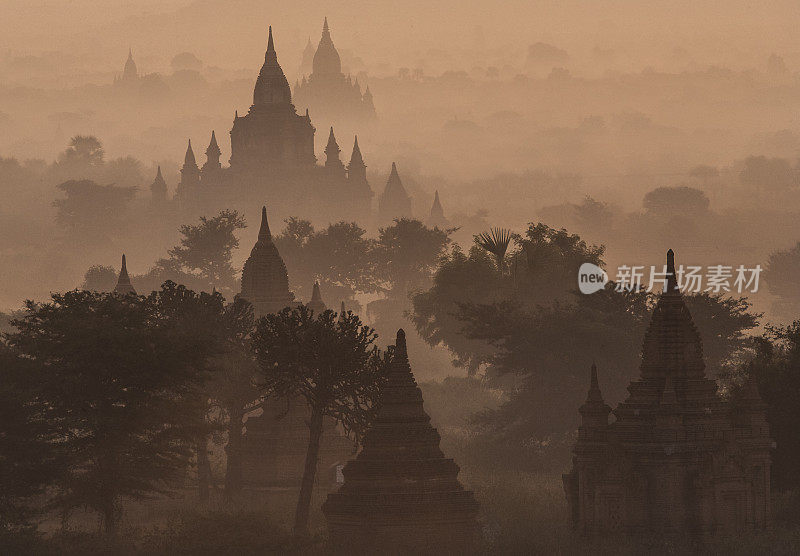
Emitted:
pixel 400 493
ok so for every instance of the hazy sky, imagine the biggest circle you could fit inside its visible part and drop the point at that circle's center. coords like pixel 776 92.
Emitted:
pixel 231 33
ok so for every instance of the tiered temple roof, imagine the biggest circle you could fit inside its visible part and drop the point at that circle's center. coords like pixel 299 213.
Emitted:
pixel 401 494
pixel 678 459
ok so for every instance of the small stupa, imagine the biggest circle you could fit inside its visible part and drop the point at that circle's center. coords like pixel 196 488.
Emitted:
pixel 124 286
pixel 401 494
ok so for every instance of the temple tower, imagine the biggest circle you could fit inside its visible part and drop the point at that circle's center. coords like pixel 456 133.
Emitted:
pixel 678 459
pixel 401 494
pixel 316 304
pixel 272 136
pixel 213 154
pixel 395 202
pixel 124 286
pixel 332 162
pixel 130 73
pixel 436 217
pixel 158 189
pixel 265 282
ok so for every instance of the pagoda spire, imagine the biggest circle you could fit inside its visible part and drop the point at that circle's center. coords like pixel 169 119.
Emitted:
pixel 332 150
pixel 356 157
pixel 270 55
pixel 158 189
pixel 213 153
pixel 124 286
pixel 672 344
pixel 189 159
pixel 264 233
pixel 594 412
pixel 271 88
pixel 316 304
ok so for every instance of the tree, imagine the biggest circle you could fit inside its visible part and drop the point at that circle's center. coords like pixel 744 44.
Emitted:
pixel 206 249
pixel 99 278
pixel 83 150
pixel 775 365
pixel 780 276
pixel 339 257
pixel 330 362
pixel 29 453
pixel 233 385
pixel 90 208
pixel 667 201
pixel 496 243
pixel 118 376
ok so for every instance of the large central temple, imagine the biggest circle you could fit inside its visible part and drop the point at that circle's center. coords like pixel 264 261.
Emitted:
pixel 272 157
pixel 679 459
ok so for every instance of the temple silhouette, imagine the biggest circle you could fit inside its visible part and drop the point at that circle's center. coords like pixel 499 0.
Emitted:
pixel 400 494
pixel 327 91
pixel 272 157
pixel 678 459
pixel 273 448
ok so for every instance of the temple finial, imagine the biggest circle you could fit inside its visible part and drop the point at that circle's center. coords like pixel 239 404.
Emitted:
pixel 270 42
pixel 264 232
pixel 400 350
pixel 595 395
pixel 672 277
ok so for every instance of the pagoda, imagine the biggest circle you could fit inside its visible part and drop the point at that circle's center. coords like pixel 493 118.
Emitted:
pixel 400 493
pixel 679 460
pixel 275 442
pixel 265 282
pixel 124 286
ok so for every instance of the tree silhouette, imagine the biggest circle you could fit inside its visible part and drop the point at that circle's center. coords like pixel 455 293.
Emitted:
pixel 328 360
pixel 206 249
pixel 496 242
pixel 117 377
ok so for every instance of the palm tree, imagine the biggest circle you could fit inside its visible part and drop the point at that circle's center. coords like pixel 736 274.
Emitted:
pixel 496 242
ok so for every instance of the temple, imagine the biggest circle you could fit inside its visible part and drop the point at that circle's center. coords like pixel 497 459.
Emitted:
pixel 265 282
pixel 273 447
pixel 272 156
pixel 327 91
pixel 124 286
pixel 436 218
pixel 316 304
pixel 394 202
pixel 678 459
pixel 400 494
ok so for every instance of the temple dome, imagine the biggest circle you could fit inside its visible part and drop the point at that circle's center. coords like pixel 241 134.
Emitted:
pixel 326 59
pixel 271 88
pixel 265 282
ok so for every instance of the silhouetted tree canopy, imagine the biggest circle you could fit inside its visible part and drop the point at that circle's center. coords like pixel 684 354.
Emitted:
pixel 117 376
pixel 331 362
pixel 206 250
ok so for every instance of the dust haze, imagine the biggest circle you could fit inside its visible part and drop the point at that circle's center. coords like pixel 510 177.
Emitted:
pixel 502 145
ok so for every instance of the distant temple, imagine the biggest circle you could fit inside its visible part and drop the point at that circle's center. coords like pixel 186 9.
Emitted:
pixel 678 459
pixel 129 73
pixel 272 156
pixel 400 494
pixel 273 448
pixel 265 282
pixel 436 217
pixel 394 202
pixel 327 91
pixel 124 286
pixel 316 304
